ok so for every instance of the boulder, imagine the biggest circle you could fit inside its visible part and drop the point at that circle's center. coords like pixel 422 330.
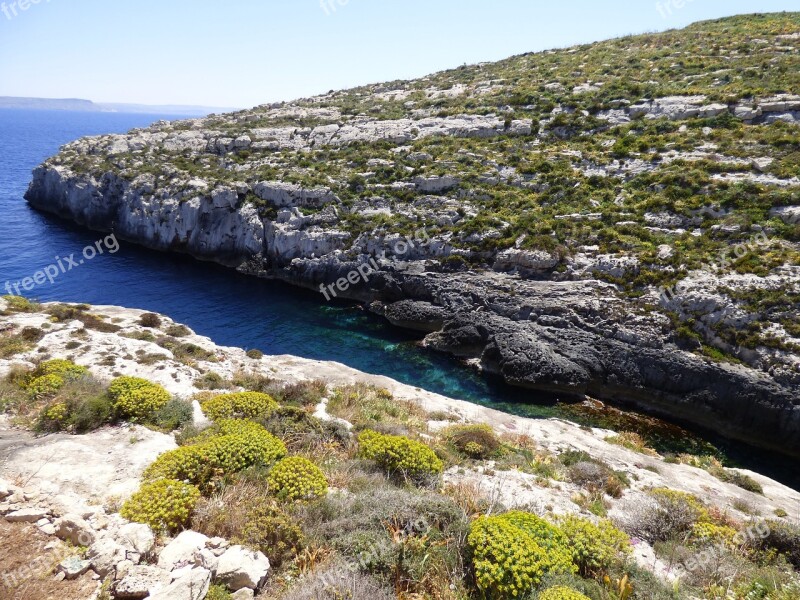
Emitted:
pixel 137 537
pixel 73 567
pixel 536 261
pixel 243 594
pixel 787 214
pixel 182 550
pixel 192 585
pixel 141 582
pixel 5 489
pixel 436 185
pixel 242 568
pixel 73 529
pixel 105 554
pixel 27 515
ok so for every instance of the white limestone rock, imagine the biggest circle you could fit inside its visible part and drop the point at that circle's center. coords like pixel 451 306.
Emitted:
pixel 182 550
pixel 73 529
pixel 242 568
pixel 141 582
pixel 193 585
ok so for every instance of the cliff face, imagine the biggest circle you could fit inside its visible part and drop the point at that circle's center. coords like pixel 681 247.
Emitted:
pixel 568 233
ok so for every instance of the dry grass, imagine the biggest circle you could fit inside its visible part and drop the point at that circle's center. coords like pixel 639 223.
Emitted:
pixel 368 406
pixel 27 568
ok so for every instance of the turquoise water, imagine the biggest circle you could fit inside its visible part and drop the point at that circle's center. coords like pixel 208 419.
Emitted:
pixel 234 310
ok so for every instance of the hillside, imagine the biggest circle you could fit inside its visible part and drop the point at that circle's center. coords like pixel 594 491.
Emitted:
pixel 619 220
pixel 140 460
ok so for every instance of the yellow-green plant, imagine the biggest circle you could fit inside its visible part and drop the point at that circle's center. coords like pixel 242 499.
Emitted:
pixel 297 478
pixel 562 593
pixel 513 551
pixel 710 533
pixel 244 405
pixel 595 547
pixel 45 386
pixel 63 368
pixel 233 447
pixel 165 504
pixel 136 398
pixel 397 454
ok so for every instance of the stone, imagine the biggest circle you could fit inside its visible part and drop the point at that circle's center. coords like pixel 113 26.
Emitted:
pixel 787 214
pixel 747 113
pixel 181 551
pixel 123 568
pixel 27 515
pixel 534 261
pixel 436 185
pixel 191 586
pixel 141 582
pixel 138 537
pixel 5 489
pixel 761 164
pixel 73 529
pixel 74 567
pixel 242 568
pixel 105 555
pixel 243 594
pixel 48 529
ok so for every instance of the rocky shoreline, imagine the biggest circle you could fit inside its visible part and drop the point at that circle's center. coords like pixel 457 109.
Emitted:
pixel 570 338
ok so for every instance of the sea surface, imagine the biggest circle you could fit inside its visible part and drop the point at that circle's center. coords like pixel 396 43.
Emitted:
pixel 273 317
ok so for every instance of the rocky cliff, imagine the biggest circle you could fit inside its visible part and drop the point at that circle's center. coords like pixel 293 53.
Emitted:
pixel 619 220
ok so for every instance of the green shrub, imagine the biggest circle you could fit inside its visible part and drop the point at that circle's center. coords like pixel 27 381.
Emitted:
pixel 474 441
pixel 218 592
pixel 415 537
pixel 367 406
pixel 18 304
pixel 244 405
pixel 230 447
pixel 150 320
pixel 245 514
pixel 174 414
pixel 136 398
pixel 297 478
pixel 45 386
pixel 302 431
pixel 400 455
pixel 562 593
pixel 595 548
pixel 255 354
pixel 512 552
pixel 92 413
pixel 65 369
pixel 165 504
pixel 783 538
pixel 53 417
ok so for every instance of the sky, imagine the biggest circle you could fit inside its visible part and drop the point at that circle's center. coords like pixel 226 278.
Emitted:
pixel 241 53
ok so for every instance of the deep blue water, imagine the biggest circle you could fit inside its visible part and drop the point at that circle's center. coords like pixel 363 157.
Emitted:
pixel 234 310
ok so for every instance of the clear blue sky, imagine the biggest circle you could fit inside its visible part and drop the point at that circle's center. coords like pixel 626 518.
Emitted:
pixel 239 53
